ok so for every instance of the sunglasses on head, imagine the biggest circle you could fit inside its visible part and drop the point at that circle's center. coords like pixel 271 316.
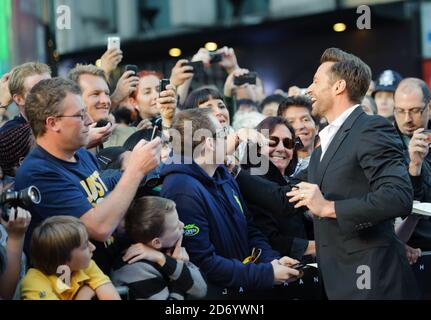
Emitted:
pixel 287 142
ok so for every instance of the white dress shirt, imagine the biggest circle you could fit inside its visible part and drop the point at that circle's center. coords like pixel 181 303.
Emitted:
pixel 329 132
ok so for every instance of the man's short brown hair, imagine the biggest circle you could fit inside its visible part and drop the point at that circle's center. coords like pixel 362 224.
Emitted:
pixel 350 68
pixel 21 72
pixel 199 119
pixel 145 218
pixel 45 100
pixel 89 69
pixel 53 241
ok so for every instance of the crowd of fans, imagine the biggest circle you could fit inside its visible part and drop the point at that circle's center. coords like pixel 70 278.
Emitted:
pixel 129 196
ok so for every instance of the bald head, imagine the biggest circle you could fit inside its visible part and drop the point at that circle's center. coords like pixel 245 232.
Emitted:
pixel 410 85
pixel 412 103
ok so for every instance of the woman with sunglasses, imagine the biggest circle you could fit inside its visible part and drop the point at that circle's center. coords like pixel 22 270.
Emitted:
pixel 288 233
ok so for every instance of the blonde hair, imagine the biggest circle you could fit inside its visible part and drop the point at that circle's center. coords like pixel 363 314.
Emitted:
pixel 53 241
pixel 90 69
pixel 21 72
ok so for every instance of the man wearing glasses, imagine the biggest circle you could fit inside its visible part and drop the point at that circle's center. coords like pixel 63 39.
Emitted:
pixel 67 174
pixel 412 109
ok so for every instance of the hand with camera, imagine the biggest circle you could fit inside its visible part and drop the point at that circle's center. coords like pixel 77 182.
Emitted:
pixel 418 150
pixel 181 73
pixel 126 85
pixel 204 56
pixel 246 135
pixel 144 158
pixel 16 226
pixel 167 104
pixel 110 60
pixel 229 61
pixel 99 135
pixel 229 86
pixel 5 96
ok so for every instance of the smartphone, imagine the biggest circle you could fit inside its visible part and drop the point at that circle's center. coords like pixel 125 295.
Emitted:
pixel 298 143
pixel 153 135
pixel 163 84
pixel 102 123
pixel 114 43
pixel 246 78
pixel 300 266
pixel 215 57
pixel 198 67
pixel 131 67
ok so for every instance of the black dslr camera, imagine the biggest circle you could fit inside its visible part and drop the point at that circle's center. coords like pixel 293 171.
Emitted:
pixel 12 199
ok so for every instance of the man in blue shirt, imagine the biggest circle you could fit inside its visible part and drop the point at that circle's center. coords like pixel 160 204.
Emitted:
pixel 66 174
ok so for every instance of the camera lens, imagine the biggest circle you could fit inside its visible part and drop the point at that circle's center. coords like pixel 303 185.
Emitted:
pixel 34 194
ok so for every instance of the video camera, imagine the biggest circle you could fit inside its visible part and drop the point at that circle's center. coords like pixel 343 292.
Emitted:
pixel 24 199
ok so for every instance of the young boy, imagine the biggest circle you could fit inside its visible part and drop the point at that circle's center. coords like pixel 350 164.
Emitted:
pixel 62 267
pixel 156 267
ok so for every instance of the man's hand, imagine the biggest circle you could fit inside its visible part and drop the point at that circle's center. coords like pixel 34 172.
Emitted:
pixel 110 60
pixel 229 87
pixel 229 62
pixel 19 220
pixel 418 150
pixel 5 96
pixel 145 157
pixel 167 104
pixel 309 195
pixel 141 251
pixel 202 55
pixel 99 135
pixel 287 261
pixel 145 124
pixel 179 73
pixel 126 85
pixel 413 254
pixel 283 273
pixel 179 252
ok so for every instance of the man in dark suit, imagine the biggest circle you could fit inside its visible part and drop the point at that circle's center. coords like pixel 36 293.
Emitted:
pixel 357 184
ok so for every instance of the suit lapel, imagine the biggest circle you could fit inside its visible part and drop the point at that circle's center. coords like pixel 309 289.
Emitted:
pixel 335 144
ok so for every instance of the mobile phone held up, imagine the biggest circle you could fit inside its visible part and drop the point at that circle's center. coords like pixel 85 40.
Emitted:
pixel 163 84
pixel 246 78
pixel 131 67
pixel 215 57
pixel 198 67
pixel 114 43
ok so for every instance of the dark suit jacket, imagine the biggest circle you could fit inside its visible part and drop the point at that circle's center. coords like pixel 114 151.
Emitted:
pixel 364 173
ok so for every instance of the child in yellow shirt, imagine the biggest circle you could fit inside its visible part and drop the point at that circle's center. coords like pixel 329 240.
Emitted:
pixel 61 253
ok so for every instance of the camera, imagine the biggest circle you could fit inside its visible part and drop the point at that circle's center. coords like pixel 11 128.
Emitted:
pixel 24 199
pixel 246 78
pixel 215 57
pixel 198 67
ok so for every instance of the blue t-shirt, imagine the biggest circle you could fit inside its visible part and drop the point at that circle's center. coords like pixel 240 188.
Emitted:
pixel 67 188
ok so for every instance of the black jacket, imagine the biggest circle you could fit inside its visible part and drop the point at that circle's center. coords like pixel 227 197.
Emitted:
pixel 421 237
pixel 288 233
pixel 363 172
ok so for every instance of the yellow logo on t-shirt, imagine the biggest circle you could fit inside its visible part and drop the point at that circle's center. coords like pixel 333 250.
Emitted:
pixel 95 188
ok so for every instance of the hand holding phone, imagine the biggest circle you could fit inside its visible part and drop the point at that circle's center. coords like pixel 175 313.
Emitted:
pixel 215 57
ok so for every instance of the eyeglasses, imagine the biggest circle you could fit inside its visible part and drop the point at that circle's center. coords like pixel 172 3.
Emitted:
pixel 80 115
pixel 287 142
pixel 414 111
